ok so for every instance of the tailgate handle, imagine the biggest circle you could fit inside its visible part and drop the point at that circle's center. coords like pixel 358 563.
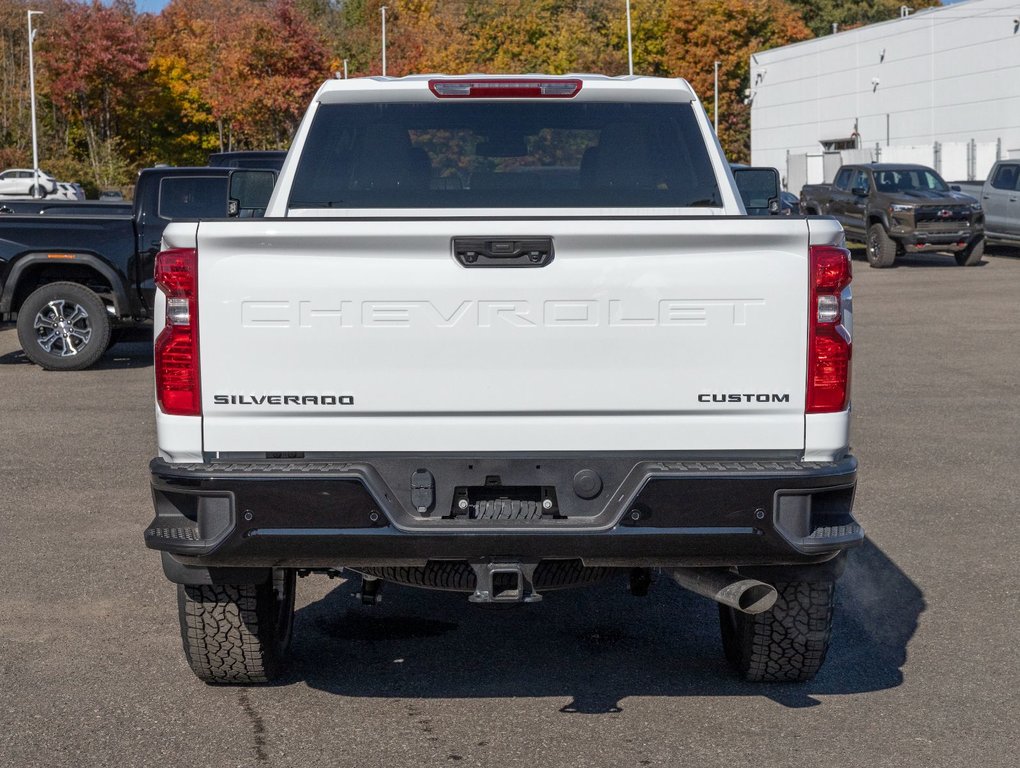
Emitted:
pixel 503 251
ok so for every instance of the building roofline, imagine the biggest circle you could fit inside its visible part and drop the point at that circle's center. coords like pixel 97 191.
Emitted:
pixel 923 12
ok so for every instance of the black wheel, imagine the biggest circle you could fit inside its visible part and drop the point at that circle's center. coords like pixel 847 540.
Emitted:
pixel 787 643
pixel 237 633
pixel 972 254
pixel 33 189
pixel 881 248
pixel 63 327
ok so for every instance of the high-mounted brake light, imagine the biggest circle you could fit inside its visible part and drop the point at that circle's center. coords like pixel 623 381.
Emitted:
pixel 517 88
pixel 178 386
pixel 829 346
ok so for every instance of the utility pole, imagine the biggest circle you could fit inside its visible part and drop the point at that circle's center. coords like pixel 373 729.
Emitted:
pixel 31 88
pixel 345 69
pixel 716 102
pixel 383 12
pixel 630 44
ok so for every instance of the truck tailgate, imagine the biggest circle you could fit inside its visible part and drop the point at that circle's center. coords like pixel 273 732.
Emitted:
pixel 367 335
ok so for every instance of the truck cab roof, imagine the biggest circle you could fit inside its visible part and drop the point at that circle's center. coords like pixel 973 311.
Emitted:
pixel 589 87
pixel 890 166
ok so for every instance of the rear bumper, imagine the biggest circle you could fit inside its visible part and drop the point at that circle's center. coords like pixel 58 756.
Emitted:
pixel 650 513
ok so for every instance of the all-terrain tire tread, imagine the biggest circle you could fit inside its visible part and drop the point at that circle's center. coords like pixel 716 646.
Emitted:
pixel 227 637
pixel 887 247
pixel 789 642
pixel 971 255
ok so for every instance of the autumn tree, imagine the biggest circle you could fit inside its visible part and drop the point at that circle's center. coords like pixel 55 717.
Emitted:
pixel 14 106
pixel 820 15
pixel 555 36
pixel 91 61
pixel 702 32
pixel 118 90
pixel 243 69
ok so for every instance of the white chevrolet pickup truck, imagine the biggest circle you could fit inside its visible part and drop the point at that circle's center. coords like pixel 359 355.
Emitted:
pixel 504 335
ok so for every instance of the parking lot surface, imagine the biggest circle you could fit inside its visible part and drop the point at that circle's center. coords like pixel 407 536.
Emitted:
pixel 923 669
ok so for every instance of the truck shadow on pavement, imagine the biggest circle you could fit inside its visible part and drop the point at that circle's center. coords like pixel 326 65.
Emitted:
pixel 910 260
pixel 130 354
pixel 598 645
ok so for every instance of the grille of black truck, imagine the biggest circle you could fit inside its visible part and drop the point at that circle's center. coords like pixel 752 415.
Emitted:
pixel 936 214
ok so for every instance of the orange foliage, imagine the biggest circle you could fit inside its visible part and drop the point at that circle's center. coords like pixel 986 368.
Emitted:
pixel 702 32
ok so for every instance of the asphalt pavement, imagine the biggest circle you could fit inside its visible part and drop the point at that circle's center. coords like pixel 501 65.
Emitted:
pixel 923 669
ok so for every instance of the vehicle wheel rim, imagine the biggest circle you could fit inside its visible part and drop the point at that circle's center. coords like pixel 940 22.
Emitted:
pixel 62 328
pixel 873 246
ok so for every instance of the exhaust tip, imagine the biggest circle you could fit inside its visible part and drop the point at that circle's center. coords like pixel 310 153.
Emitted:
pixel 732 589
pixel 757 597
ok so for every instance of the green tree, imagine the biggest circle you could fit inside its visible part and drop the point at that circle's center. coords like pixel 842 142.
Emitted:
pixel 820 15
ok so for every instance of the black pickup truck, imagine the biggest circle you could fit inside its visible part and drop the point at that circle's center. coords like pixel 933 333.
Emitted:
pixel 66 207
pixel 74 281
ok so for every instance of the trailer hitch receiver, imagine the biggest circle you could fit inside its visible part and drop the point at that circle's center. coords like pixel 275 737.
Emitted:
pixel 505 583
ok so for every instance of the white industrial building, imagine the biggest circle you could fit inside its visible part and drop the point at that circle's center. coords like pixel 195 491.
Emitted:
pixel 940 87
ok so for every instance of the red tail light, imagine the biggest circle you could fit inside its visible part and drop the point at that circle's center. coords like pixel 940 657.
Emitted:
pixel 503 88
pixel 829 347
pixel 178 387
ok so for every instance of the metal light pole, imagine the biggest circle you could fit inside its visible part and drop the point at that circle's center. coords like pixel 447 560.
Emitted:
pixel 31 88
pixel 383 12
pixel 345 69
pixel 630 45
pixel 716 102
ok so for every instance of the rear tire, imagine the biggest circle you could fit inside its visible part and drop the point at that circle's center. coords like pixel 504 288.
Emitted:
pixel 972 254
pixel 237 633
pixel 881 248
pixel 63 327
pixel 787 643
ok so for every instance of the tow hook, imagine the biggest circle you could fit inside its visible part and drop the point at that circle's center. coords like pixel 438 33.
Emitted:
pixel 504 583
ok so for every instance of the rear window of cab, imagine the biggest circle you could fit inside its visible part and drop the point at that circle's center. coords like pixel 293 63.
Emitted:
pixel 508 154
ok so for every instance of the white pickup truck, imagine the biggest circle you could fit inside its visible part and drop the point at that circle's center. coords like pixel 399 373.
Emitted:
pixel 504 335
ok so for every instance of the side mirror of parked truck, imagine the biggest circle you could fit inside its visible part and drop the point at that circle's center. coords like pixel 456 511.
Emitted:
pixel 76 284
pixel 759 190
pixel 249 193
